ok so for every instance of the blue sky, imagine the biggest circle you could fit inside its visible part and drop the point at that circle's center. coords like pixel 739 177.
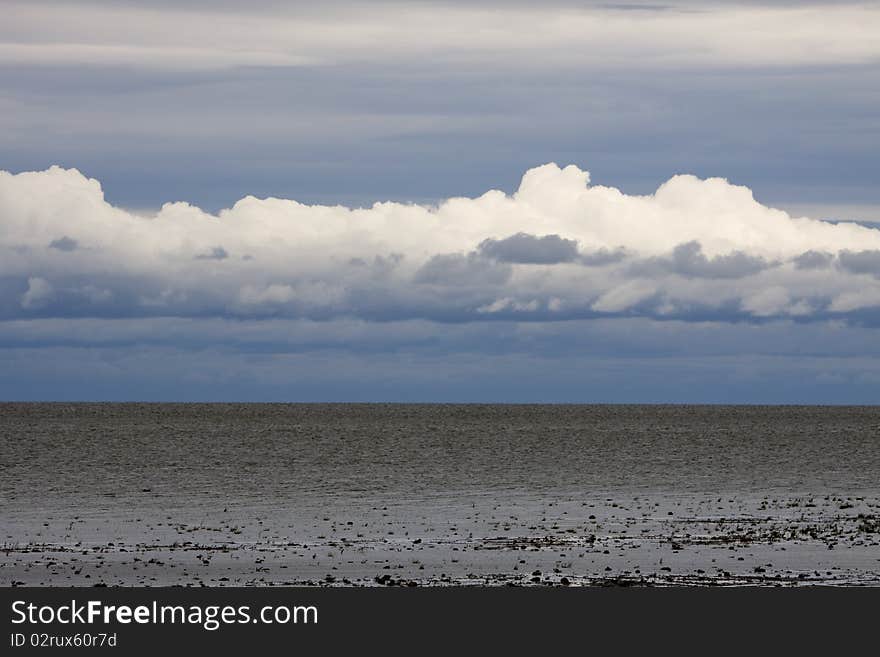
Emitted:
pixel 210 229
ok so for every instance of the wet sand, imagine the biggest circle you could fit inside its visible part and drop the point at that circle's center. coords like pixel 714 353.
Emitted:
pixel 634 541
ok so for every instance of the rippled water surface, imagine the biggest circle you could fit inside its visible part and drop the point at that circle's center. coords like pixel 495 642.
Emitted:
pixel 67 451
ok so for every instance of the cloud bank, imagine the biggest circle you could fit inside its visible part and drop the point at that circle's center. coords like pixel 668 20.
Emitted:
pixel 591 360
pixel 193 36
pixel 558 248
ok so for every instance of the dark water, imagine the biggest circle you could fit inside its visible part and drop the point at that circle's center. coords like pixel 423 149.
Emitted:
pixel 55 452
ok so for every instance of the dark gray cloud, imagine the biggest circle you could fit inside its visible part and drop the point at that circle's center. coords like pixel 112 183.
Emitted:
pixel 530 249
pixel 813 260
pixel 860 262
pixel 689 260
pixel 64 244
pixel 462 270
pixel 603 257
pixel 217 253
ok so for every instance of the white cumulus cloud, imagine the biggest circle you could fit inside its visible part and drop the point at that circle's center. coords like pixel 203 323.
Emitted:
pixel 557 248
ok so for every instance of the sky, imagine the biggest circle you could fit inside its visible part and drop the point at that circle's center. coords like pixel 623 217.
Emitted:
pixel 440 201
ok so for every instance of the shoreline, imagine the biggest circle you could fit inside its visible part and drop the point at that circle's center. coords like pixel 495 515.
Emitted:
pixel 645 540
